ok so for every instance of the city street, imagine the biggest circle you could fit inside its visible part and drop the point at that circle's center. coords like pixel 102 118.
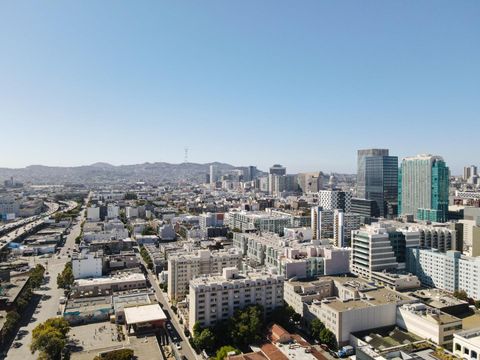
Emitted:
pixel 49 304
pixel 186 350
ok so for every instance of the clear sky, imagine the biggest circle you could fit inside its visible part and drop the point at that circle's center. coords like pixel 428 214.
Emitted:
pixel 301 83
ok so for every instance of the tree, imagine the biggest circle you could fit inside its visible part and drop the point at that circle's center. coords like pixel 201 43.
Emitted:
pixel 65 279
pixel 205 340
pixel 36 276
pixel 224 350
pixel 149 230
pixel 121 354
pixel 477 304
pixel 327 337
pixel 50 338
pixel 461 294
pixel 316 327
pixel 246 325
pixel 11 322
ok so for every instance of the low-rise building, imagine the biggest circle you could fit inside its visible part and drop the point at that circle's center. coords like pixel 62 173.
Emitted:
pixel 466 344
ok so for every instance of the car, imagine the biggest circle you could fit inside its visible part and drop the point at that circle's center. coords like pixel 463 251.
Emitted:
pixel 178 346
pixel 17 344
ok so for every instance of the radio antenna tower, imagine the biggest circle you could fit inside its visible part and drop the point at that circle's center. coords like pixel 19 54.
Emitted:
pixel 185 159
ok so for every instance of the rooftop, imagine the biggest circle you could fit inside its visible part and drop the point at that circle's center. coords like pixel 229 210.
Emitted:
pixel 143 314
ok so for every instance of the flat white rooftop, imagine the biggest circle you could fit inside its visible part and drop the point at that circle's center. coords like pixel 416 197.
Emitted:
pixel 143 314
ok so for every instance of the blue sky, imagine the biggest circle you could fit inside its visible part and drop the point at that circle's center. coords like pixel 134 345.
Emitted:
pixel 302 83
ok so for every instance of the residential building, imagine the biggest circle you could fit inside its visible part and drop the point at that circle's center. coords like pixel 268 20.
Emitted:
pixel 343 225
pixel 186 266
pixel 322 223
pixel 335 199
pixel 423 188
pixel 93 213
pixel 259 220
pixel 214 298
pixel 87 265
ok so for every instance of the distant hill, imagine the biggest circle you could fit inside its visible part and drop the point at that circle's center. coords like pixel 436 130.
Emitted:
pixel 103 172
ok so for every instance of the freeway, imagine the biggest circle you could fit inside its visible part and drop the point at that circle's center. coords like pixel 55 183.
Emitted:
pixel 29 224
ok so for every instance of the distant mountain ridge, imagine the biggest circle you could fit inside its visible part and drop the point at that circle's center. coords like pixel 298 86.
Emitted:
pixel 101 172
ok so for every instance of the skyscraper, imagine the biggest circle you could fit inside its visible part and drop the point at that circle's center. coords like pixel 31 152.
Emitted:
pixel 423 187
pixel 278 170
pixel 377 180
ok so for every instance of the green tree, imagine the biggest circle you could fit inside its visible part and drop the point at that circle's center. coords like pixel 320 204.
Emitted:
pixel 36 276
pixel 149 230
pixel 65 279
pixel 11 322
pixel 205 340
pixel 50 338
pixel 246 325
pixel 223 352
pixel 316 327
pixel 327 337
pixel 477 304
pixel 121 354
pixel 461 294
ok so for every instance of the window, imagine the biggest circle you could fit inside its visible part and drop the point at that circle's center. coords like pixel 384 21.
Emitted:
pixel 473 354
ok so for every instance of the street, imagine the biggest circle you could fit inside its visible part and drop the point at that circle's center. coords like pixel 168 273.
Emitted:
pixel 49 304
pixel 186 350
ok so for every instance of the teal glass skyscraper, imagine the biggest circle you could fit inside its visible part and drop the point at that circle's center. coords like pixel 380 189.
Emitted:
pixel 423 188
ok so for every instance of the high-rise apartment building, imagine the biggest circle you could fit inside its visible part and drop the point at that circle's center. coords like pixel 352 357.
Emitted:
pixel 215 298
pixel 423 188
pixel 377 180
pixel 322 223
pixel 343 225
pixel 184 267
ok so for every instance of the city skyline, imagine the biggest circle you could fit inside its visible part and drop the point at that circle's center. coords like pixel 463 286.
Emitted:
pixel 150 80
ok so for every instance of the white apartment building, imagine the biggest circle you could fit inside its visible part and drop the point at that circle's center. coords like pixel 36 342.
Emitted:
pixel 448 271
pixel 131 212
pixel 428 323
pixel 184 267
pixel 466 344
pixel 214 298
pixel 87 265
pixel 93 213
pixel 113 211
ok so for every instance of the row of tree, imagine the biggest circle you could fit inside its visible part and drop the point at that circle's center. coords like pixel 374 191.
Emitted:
pixel 146 257
pixel 65 279
pixel 13 316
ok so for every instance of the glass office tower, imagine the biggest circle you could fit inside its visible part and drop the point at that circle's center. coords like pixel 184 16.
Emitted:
pixel 377 180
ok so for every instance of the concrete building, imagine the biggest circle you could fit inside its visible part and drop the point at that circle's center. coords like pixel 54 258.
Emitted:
pixel 448 271
pixel 113 211
pixel 322 223
pixel 424 188
pixel 93 213
pixel 343 225
pixel 87 265
pixel 184 267
pixel 214 298
pixel 381 246
pixel 466 344
pixel 107 285
pixel 428 323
